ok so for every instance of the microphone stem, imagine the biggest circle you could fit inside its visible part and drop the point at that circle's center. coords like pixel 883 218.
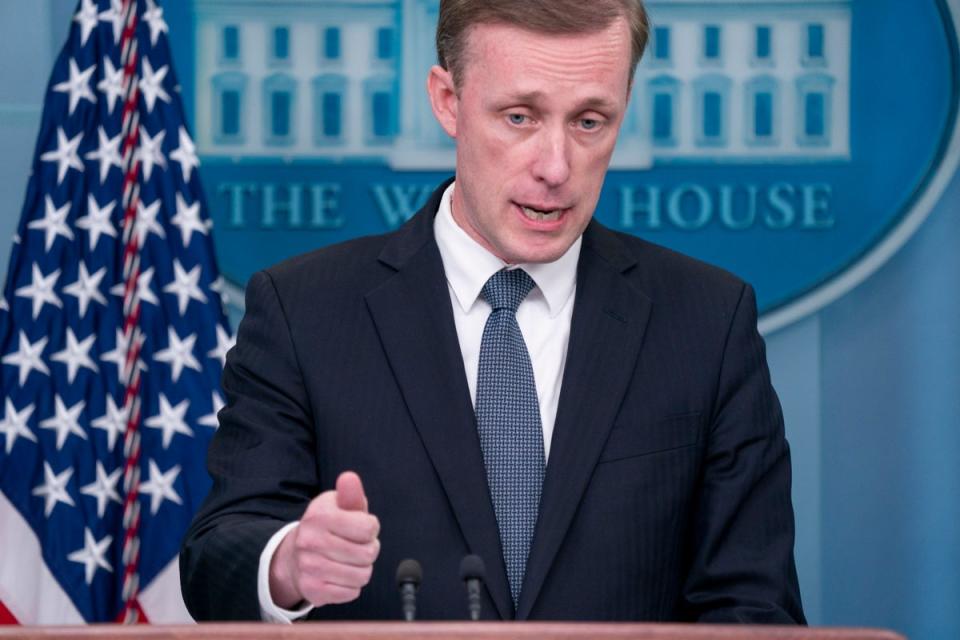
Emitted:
pixel 408 595
pixel 473 598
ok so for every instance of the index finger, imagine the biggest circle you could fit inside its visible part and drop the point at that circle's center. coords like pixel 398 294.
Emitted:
pixel 355 526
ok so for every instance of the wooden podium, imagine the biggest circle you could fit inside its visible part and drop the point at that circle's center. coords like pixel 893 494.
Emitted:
pixel 445 631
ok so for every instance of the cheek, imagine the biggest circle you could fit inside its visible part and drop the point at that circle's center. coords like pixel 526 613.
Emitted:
pixel 595 161
pixel 500 150
pixel 486 151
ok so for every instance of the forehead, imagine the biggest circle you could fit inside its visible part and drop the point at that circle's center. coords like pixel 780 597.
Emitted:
pixel 504 58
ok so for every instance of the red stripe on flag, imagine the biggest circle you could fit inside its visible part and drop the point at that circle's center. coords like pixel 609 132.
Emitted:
pixel 142 619
pixel 6 617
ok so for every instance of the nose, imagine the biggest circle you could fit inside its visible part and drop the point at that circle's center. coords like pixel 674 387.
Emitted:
pixel 552 163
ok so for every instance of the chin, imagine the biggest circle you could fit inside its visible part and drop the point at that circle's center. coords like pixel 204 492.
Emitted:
pixel 542 254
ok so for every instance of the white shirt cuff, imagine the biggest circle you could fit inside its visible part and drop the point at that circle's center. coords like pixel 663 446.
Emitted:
pixel 269 611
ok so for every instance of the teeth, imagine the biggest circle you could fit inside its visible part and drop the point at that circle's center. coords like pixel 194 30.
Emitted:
pixel 540 216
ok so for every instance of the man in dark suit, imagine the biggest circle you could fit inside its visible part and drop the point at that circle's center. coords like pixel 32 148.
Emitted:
pixel 588 412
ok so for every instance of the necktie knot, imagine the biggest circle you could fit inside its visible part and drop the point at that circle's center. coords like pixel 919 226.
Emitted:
pixel 507 289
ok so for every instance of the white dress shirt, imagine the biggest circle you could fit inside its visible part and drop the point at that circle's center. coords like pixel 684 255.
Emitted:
pixel 544 319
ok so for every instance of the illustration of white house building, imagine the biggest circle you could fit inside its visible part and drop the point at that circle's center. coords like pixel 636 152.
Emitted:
pixel 297 79
pixel 747 80
pixel 344 80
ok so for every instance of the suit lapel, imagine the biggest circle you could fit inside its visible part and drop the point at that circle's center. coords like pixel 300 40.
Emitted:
pixel 412 313
pixel 607 329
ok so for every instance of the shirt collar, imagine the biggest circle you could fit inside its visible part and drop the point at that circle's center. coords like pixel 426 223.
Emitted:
pixel 468 265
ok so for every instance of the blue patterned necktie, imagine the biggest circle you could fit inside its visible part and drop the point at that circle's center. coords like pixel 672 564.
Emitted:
pixel 508 419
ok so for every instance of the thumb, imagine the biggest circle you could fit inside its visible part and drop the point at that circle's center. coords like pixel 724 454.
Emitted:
pixel 350 496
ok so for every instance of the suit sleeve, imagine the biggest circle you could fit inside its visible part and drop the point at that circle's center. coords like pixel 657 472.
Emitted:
pixel 743 532
pixel 262 461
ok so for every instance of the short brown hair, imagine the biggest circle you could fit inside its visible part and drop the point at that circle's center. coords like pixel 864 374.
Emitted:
pixel 541 16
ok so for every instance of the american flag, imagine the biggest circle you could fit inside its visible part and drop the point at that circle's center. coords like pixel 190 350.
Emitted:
pixel 112 336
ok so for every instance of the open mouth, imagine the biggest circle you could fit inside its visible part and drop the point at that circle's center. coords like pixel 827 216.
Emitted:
pixel 541 216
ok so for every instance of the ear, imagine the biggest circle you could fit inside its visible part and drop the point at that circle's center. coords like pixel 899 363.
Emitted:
pixel 443 99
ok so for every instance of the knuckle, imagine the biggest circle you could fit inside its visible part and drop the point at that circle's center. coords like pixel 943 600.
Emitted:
pixel 310 529
pixel 332 518
pixel 312 564
pixel 323 515
pixel 311 590
pixel 328 590
pixel 306 569
pixel 319 504
pixel 324 541
pixel 336 594
pixel 298 537
pixel 302 541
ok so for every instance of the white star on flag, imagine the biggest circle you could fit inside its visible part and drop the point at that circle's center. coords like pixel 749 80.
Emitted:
pixel 211 420
pixel 218 286
pixel 113 422
pixel 15 424
pixel 40 290
pixel 54 488
pixel 87 288
pixel 91 556
pixel 28 357
pixel 108 153
pixel 178 354
pixel 149 153
pixel 144 292
pixel 97 221
pixel 112 83
pixel 185 286
pixel 118 355
pixel 147 221
pixel 78 85
pixel 65 154
pixel 104 488
pixel 65 421
pixel 114 15
pixel 160 486
pixel 153 16
pixel 170 420
pixel 3 304
pixel 86 17
pixel 53 223
pixel 151 84
pixel 225 342
pixel 188 219
pixel 76 354
pixel 185 155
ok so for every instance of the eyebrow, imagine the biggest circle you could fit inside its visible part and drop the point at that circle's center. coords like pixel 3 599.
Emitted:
pixel 536 96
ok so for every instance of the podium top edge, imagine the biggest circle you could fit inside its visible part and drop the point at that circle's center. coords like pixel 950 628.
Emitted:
pixel 445 630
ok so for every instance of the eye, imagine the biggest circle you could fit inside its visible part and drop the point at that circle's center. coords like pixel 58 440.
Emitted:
pixel 589 124
pixel 517 118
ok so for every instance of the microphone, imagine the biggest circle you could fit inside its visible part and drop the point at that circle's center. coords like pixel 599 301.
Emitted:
pixel 472 572
pixel 409 574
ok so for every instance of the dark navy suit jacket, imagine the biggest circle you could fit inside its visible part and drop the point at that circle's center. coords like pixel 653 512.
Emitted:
pixel 667 492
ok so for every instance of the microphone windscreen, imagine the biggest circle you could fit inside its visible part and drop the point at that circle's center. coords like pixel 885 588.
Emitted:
pixel 409 572
pixel 471 568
